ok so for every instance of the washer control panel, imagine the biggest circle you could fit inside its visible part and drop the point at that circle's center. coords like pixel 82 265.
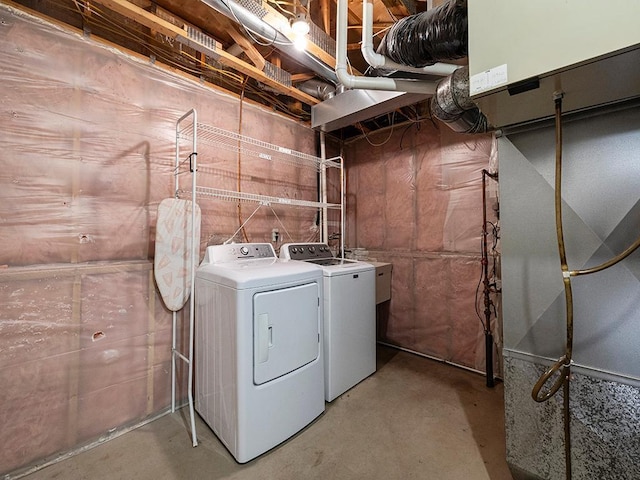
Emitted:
pixel 234 252
pixel 305 251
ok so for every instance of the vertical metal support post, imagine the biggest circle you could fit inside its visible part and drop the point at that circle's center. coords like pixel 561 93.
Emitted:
pixel 342 204
pixel 195 254
pixel 324 232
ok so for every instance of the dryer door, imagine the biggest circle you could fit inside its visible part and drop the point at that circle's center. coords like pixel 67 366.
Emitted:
pixel 286 331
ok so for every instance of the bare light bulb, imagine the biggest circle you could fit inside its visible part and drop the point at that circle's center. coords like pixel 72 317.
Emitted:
pixel 300 42
pixel 300 26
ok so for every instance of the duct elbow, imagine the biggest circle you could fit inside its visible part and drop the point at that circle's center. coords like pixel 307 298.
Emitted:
pixel 452 105
pixel 318 89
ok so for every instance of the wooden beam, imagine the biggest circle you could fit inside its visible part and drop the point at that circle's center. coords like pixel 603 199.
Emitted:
pixel 243 67
pixel 400 8
pixel 143 58
pixel 301 77
pixel 326 16
pixel 164 27
pixel 143 17
pixel 252 52
pixel 354 12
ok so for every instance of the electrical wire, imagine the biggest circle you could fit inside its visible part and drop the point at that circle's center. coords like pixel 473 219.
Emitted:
pixel 277 4
pixel 495 236
pixel 98 18
pixel 392 122
pixel 232 75
pixel 93 15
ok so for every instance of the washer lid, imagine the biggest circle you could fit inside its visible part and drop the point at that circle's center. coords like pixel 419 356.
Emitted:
pixel 259 272
pixel 341 266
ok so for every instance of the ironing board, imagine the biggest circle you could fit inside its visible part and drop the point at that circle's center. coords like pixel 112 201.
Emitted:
pixel 172 263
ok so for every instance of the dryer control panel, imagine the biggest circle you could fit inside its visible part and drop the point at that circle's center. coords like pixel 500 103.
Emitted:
pixel 305 251
pixel 234 252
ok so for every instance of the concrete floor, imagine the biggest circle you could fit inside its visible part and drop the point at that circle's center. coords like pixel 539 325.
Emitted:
pixel 414 418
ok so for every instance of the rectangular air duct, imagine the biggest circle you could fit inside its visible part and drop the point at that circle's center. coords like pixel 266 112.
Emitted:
pixel 354 106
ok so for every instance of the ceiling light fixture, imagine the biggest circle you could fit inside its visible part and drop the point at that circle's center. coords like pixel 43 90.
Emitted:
pixel 299 25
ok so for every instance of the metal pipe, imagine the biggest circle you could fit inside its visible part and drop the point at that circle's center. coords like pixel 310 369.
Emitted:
pixel 250 21
pixel 377 83
pixel 564 362
pixel 610 263
pixel 324 233
pixel 317 89
pixel 488 335
pixel 377 60
pixel 195 253
pixel 452 104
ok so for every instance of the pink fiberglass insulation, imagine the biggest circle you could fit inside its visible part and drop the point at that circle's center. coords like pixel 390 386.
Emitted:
pixel 416 202
pixel 88 139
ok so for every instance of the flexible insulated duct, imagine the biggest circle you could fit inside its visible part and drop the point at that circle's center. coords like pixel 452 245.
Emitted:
pixel 451 104
pixel 428 37
pixel 432 36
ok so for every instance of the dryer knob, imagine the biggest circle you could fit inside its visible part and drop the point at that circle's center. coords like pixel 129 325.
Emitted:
pixel 244 250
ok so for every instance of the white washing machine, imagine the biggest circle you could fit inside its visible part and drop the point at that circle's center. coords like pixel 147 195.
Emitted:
pixel 258 346
pixel 349 315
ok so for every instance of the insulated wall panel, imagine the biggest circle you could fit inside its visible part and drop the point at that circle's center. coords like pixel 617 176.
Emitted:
pixel 416 202
pixel 87 153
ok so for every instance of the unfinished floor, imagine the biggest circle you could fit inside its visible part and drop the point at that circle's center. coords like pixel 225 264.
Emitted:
pixel 414 418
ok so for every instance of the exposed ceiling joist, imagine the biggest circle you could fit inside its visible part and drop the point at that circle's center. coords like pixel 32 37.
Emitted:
pixel 400 8
pixel 141 16
pixel 252 52
pixel 152 21
pixel 210 40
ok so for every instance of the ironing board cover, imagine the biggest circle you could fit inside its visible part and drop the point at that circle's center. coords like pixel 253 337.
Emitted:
pixel 172 262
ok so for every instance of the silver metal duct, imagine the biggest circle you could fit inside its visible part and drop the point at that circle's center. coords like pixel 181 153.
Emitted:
pixel 252 21
pixel 355 106
pixel 452 105
pixel 317 88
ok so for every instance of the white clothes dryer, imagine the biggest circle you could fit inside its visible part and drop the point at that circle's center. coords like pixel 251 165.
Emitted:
pixel 258 347
pixel 349 315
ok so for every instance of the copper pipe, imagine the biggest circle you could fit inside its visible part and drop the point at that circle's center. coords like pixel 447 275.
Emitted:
pixel 564 362
pixel 610 263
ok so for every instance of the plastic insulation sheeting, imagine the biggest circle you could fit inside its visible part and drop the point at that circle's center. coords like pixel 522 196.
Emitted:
pixel 429 37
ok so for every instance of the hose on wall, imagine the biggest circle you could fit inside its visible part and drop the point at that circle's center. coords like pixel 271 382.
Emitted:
pixel 562 368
